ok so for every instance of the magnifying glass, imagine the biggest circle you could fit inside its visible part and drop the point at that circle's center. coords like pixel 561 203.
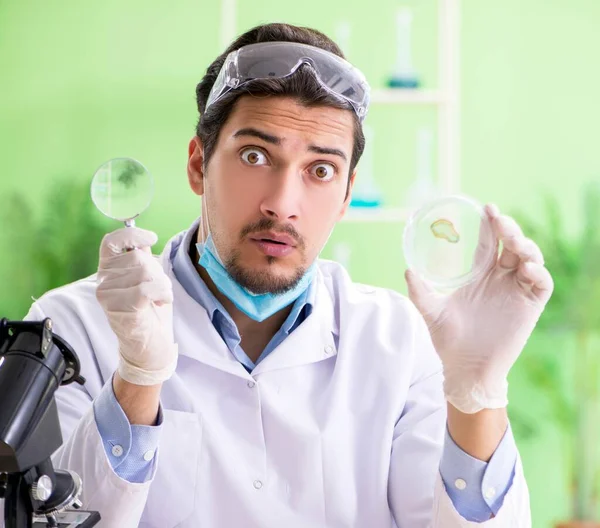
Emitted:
pixel 122 189
pixel 450 242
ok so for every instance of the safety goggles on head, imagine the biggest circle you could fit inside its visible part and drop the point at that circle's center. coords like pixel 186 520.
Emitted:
pixel 276 60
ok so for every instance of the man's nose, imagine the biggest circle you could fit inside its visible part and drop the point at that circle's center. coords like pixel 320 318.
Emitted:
pixel 283 198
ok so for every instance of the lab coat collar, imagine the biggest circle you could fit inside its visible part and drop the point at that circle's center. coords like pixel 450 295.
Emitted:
pixel 197 338
pixel 311 342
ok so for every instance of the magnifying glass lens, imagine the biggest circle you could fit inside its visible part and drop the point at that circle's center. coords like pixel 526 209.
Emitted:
pixel 122 189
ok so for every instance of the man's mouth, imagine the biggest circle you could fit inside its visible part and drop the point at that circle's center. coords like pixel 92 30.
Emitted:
pixel 274 238
pixel 274 244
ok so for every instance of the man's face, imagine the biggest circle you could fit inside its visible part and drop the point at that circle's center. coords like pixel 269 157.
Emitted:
pixel 274 188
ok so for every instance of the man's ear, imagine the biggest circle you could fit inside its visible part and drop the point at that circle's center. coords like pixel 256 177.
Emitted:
pixel 195 165
pixel 349 195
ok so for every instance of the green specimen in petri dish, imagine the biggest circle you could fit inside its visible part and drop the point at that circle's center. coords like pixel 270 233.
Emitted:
pixel 445 229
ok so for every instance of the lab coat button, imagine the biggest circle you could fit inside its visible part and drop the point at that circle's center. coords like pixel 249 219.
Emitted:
pixel 117 450
pixel 148 455
pixel 490 493
pixel 460 484
pixel 251 384
pixel 258 484
pixel 328 349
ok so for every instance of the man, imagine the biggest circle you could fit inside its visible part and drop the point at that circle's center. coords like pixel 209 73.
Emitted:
pixel 239 381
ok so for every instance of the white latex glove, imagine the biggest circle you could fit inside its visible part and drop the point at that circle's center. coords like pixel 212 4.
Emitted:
pixel 137 297
pixel 480 329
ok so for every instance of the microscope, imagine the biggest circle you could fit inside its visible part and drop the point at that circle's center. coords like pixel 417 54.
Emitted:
pixel 34 362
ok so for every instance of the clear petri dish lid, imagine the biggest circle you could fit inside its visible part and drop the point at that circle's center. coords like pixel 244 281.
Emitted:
pixel 449 242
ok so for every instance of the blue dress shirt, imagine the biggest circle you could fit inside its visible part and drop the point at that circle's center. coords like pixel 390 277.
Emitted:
pixel 476 488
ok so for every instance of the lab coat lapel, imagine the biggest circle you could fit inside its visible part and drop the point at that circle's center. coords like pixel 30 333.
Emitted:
pixel 194 332
pixel 312 341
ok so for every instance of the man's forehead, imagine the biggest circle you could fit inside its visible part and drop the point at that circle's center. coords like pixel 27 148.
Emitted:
pixel 285 118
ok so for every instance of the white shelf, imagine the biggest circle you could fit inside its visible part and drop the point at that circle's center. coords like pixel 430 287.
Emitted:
pixel 407 96
pixel 376 214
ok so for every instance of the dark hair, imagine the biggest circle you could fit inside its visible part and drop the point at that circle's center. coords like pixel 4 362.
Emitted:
pixel 302 85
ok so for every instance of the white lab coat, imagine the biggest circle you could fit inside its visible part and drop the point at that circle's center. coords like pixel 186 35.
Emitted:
pixel 318 435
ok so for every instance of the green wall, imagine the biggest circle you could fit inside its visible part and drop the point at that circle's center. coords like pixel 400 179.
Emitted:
pixel 86 81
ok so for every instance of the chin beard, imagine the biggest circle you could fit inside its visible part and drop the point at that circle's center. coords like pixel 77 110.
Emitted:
pixel 261 282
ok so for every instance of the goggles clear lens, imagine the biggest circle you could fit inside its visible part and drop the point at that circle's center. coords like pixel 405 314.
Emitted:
pixel 277 60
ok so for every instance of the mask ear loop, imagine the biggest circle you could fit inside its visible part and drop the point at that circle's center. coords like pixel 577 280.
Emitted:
pixel 204 209
pixel 203 217
pixel 208 234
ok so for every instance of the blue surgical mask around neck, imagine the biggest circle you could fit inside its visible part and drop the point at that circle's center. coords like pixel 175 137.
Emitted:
pixel 256 306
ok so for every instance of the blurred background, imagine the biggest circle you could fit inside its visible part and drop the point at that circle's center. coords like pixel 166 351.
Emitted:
pixel 495 100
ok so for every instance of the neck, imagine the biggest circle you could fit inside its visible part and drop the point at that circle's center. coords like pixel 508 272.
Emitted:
pixel 255 335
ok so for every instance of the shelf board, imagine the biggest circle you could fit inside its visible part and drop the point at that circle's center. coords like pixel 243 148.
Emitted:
pixel 407 96
pixel 376 214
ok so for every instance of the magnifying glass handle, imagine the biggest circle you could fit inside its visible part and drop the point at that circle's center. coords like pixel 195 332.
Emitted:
pixel 129 223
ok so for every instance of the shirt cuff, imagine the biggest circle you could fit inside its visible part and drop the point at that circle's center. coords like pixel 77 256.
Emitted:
pixel 476 488
pixel 131 449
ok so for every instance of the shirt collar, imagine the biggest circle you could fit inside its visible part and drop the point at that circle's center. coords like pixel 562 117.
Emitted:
pixel 187 274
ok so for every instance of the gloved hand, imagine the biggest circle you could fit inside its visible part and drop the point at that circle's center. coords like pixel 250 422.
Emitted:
pixel 480 329
pixel 137 297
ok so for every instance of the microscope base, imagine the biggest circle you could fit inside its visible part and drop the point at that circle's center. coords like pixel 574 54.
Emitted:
pixel 69 519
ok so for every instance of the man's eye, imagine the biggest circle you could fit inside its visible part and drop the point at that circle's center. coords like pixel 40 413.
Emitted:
pixel 324 171
pixel 254 157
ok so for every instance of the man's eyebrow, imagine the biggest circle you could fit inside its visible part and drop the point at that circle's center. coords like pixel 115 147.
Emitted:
pixel 326 150
pixel 253 132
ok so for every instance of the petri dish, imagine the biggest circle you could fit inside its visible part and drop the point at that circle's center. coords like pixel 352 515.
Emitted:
pixel 449 242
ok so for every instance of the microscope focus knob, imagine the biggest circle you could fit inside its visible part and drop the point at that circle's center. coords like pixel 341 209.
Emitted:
pixel 42 488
